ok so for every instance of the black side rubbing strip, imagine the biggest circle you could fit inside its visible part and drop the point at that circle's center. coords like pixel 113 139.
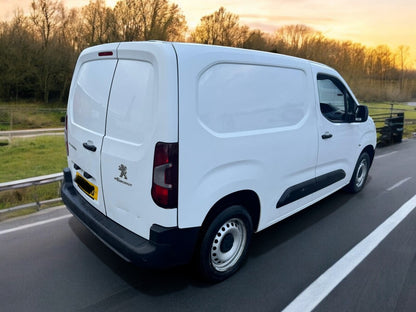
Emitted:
pixel 329 178
pixel 296 192
pixel 308 187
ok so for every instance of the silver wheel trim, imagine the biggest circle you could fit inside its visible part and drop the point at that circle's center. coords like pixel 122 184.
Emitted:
pixel 361 173
pixel 223 261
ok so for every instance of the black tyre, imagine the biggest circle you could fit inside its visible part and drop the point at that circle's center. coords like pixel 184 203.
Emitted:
pixel 224 244
pixel 360 175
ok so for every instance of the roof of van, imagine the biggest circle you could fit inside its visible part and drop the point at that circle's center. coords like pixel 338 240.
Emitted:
pixel 197 48
pixel 219 48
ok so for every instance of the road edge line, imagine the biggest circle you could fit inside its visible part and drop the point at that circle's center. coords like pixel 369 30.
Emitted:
pixel 316 292
pixel 398 184
pixel 30 225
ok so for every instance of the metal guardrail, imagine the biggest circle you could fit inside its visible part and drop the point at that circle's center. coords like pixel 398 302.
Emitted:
pixel 41 180
pixel 31 205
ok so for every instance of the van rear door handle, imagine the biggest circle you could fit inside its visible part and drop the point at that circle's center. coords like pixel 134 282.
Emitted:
pixel 326 135
pixel 90 146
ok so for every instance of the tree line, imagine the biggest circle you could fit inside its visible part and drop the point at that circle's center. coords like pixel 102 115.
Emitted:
pixel 38 50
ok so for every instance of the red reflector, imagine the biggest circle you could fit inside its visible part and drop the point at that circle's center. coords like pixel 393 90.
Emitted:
pixel 108 53
pixel 160 195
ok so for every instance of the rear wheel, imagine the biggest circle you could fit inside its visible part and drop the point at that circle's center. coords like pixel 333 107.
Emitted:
pixel 224 244
pixel 359 177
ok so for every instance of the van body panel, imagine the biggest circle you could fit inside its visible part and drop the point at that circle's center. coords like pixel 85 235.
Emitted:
pixel 144 92
pixel 341 151
pixel 115 104
pixel 166 246
pixel 228 152
pixel 240 120
pixel 87 108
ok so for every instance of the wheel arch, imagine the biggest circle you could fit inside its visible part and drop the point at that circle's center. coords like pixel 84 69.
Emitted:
pixel 369 149
pixel 246 198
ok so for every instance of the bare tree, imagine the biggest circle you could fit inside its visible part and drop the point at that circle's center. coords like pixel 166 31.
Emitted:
pixel 98 23
pixel 128 20
pixel 71 30
pixel 256 39
pixel 17 49
pixel 38 51
pixel 44 18
pixel 45 21
pixel 295 37
pixel 220 28
pixel 403 55
pixel 382 62
pixel 150 19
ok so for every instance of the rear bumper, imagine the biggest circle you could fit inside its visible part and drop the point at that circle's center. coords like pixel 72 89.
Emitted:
pixel 167 247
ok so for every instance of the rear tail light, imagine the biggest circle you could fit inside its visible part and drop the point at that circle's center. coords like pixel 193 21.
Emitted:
pixel 165 175
pixel 66 135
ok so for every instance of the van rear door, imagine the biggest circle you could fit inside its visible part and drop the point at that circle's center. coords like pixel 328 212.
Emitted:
pixel 87 109
pixel 142 110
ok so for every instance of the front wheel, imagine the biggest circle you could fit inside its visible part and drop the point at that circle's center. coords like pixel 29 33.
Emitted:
pixel 359 177
pixel 224 244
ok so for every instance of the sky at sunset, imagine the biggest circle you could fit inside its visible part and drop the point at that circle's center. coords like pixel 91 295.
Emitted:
pixel 371 22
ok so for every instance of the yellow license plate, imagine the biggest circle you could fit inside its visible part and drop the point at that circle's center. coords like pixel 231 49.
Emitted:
pixel 90 189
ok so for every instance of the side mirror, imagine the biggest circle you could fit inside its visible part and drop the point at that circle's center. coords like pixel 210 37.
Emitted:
pixel 361 113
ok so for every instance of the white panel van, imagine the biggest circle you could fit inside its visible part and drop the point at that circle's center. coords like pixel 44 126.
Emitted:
pixel 182 151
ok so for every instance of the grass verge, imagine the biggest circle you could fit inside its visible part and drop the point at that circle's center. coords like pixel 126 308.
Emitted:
pixel 31 157
pixel 31 116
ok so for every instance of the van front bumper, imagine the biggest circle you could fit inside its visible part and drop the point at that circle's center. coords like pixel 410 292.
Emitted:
pixel 167 247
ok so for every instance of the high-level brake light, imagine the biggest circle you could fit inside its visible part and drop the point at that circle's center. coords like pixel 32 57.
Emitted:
pixel 106 53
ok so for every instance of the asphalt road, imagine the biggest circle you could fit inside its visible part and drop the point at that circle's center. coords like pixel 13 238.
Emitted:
pixel 50 262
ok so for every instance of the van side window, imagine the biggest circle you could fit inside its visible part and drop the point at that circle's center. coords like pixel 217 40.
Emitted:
pixel 236 97
pixel 334 99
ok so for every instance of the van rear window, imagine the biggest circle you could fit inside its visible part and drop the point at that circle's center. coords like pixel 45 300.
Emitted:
pixel 131 107
pixel 91 94
pixel 243 97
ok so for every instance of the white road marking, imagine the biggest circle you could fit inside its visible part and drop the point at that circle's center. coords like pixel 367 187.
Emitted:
pixel 385 155
pixel 27 226
pixel 398 184
pixel 323 285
